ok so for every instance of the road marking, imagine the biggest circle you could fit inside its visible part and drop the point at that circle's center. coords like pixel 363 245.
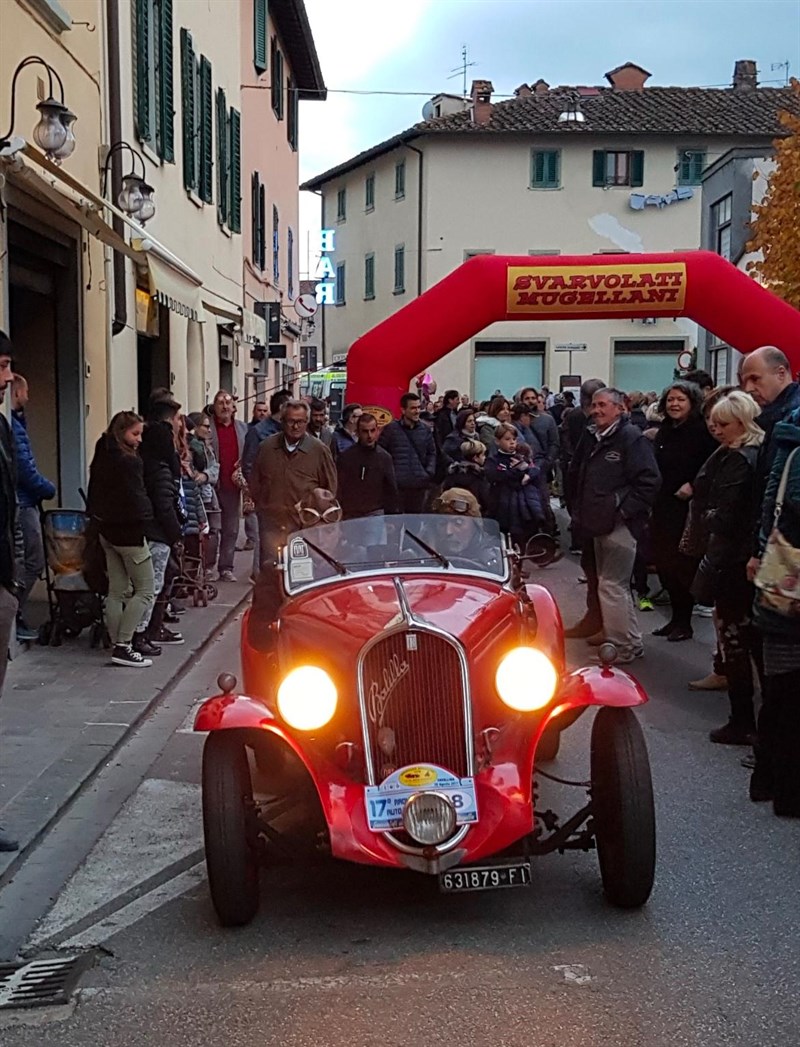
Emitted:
pixel 574 972
pixel 103 723
pixel 137 910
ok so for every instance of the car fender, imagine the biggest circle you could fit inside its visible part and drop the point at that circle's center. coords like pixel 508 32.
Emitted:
pixel 224 712
pixel 598 685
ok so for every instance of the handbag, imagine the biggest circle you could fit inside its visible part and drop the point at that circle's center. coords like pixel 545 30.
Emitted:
pixel 777 580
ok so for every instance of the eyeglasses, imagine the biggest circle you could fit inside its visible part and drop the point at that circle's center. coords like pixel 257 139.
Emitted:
pixel 295 422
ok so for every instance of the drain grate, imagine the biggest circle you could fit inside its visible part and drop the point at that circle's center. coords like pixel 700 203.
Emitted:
pixel 39 983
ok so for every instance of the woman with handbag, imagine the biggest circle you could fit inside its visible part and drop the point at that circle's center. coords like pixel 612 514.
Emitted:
pixel 721 577
pixel 777 614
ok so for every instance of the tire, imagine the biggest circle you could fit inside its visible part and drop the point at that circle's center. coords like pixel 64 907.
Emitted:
pixel 549 744
pixel 231 857
pixel 622 807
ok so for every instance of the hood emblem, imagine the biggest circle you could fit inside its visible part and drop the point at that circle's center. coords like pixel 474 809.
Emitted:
pixel 378 696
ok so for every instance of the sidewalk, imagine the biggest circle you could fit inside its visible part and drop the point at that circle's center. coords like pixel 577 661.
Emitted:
pixel 64 710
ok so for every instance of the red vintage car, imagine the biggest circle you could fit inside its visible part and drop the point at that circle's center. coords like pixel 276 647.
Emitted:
pixel 403 701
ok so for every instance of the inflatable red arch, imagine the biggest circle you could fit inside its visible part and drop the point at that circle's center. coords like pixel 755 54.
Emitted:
pixel 698 284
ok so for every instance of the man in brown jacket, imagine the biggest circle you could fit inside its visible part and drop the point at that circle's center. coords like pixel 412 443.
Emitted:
pixel 290 465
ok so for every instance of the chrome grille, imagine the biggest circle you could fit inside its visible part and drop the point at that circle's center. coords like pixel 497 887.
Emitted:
pixel 413 695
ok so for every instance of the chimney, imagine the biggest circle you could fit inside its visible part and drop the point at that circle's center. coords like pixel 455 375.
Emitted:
pixel 628 77
pixel 523 91
pixel 481 101
pixel 541 87
pixel 745 75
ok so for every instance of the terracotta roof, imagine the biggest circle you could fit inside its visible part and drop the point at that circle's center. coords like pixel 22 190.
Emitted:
pixel 679 111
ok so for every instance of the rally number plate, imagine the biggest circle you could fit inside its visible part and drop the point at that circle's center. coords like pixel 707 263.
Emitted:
pixel 485 877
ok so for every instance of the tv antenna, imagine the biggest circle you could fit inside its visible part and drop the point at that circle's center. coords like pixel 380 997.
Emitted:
pixel 784 66
pixel 462 69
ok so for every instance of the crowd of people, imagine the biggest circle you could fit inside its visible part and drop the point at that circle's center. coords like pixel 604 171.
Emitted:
pixel 682 486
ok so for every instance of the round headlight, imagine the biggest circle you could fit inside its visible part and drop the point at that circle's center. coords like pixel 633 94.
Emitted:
pixel 429 818
pixel 307 698
pixel 526 679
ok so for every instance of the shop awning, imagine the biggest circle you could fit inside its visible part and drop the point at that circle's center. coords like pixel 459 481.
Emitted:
pixel 173 290
pixel 225 312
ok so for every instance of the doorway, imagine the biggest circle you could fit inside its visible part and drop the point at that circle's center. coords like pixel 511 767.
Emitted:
pixel 152 358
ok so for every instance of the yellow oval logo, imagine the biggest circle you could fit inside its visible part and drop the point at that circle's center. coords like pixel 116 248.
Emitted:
pixel 418 776
pixel 382 415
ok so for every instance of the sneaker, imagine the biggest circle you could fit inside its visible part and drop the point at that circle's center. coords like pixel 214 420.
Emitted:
pixel 7 843
pixel 712 682
pixel 646 604
pixel 227 576
pixel 167 637
pixel 141 644
pixel 700 611
pixel 249 545
pixel 25 634
pixel 124 654
pixel 621 659
pixel 731 734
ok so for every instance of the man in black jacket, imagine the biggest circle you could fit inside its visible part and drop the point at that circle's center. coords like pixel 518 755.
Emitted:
pixel 8 517
pixel 617 483
pixel 411 444
pixel 367 484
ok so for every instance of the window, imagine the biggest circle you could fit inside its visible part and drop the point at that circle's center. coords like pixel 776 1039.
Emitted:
pixel 369 192
pixel 721 225
pixel 152 76
pixel 258 202
pixel 618 168
pixel 691 164
pixel 400 180
pixel 290 264
pixel 399 269
pixel 293 113
pixel 276 63
pixel 197 120
pixel 229 164
pixel 260 35
pixel 369 276
pixel 341 205
pixel 545 169
pixel 543 251
pixel 340 284
pixel 276 245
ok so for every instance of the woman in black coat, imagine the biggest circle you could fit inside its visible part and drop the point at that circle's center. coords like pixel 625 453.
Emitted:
pixel 682 445
pixel 466 429
pixel 118 502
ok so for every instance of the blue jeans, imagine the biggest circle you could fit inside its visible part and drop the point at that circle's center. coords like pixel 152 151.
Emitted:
pixel 31 564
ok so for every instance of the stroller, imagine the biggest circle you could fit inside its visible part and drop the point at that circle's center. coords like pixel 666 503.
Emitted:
pixel 72 603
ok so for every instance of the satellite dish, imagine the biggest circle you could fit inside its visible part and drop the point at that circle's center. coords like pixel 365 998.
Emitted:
pixel 427 110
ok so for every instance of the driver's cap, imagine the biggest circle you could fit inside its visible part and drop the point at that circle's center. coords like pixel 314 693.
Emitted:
pixel 458 502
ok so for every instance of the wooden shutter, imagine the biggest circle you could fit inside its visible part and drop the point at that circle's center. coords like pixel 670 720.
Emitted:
pixel 260 35
pixel 188 109
pixel 235 172
pixel 598 167
pixel 637 167
pixel 206 143
pixel 222 157
pixel 166 94
pixel 290 263
pixel 255 217
pixel 141 69
pixel 276 245
pixel 552 172
pixel 262 221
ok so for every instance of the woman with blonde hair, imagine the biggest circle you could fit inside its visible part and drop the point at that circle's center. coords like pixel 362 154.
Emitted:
pixel 721 578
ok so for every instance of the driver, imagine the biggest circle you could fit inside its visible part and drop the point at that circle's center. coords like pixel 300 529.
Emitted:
pixel 465 536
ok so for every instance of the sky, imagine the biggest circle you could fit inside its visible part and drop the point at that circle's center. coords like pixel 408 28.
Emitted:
pixel 412 48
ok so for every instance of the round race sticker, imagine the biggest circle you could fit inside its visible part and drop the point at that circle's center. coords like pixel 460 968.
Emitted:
pixel 418 776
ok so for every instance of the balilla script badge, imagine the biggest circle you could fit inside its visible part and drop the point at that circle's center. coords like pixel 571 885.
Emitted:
pixel 377 696
pixel 596 288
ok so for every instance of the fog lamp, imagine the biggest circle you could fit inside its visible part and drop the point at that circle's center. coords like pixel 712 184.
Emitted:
pixel 307 698
pixel 526 679
pixel 429 818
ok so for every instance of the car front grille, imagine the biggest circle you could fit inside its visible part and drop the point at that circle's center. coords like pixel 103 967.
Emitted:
pixel 412 691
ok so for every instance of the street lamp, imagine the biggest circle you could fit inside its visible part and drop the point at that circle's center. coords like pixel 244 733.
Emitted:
pixel 53 133
pixel 136 196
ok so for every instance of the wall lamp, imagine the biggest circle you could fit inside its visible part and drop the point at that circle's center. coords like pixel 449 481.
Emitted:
pixel 136 196
pixel 53 133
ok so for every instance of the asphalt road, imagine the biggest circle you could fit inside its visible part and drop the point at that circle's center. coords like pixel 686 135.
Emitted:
pixel 342 955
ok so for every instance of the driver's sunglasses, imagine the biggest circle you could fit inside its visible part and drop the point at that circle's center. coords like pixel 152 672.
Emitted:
pixel 308 515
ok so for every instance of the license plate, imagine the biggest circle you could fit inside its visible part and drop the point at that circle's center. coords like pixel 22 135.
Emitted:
pixel 485 877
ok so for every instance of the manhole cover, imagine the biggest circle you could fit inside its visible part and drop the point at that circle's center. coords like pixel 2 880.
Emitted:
pixel 39 982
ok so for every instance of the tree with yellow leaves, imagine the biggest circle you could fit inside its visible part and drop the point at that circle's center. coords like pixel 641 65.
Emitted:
pixel 776 226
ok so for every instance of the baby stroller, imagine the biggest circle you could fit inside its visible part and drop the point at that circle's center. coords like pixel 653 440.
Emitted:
pixel 72 603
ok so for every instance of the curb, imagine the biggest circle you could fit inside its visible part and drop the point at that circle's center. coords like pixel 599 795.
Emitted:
pixel 71 795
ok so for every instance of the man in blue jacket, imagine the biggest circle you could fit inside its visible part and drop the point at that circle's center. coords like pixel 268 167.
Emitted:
pixel 32 489
pixel 411 444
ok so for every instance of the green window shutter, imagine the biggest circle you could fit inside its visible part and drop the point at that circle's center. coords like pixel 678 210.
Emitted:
pixel 553 173
pixel 290 263
pixel 206 142
pixel 598 167
pixel 164 79
pixel 235 176
pixel 637 167
pixel 188 109
pixel 262 222
pixel 222 157
pixel 293 112
pixel 141 69
pixel 369 276
pixel 255 218
pixel 539 168
pixel 260 35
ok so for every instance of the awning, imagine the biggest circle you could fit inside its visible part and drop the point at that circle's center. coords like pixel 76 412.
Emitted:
pixel 225 312
pixel 173 290
pixel 254 328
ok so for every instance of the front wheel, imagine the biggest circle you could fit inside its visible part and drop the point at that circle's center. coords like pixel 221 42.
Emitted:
pixel 623 807
pixel 231 857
